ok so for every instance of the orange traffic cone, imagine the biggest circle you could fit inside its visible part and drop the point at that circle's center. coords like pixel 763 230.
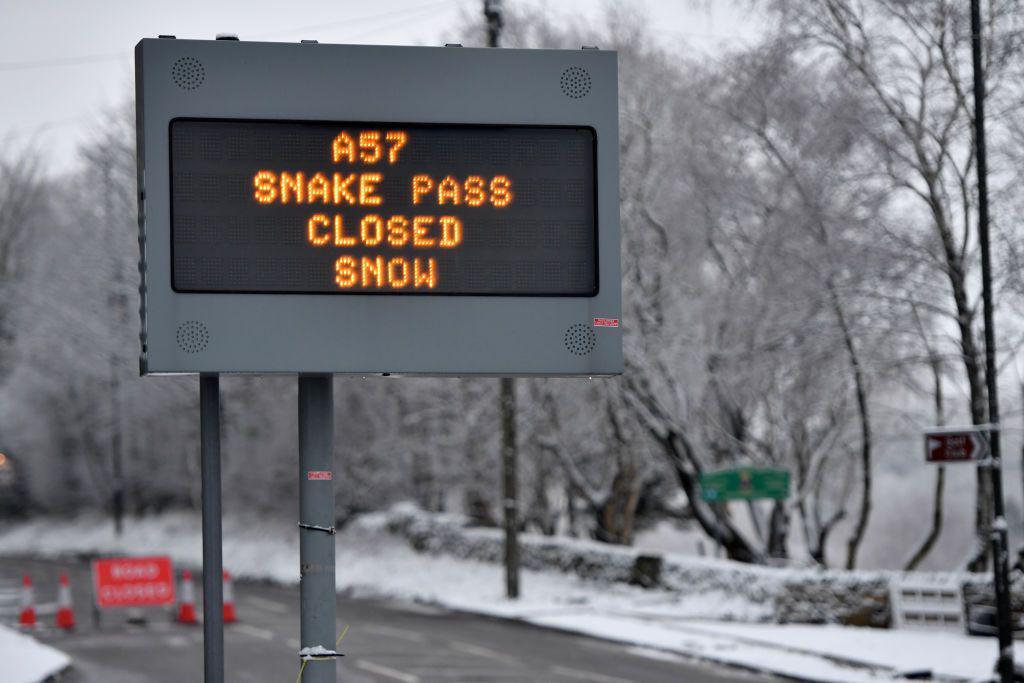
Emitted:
pixel 229 599
pixel 27 618
pixel 187 605
pixel 65 613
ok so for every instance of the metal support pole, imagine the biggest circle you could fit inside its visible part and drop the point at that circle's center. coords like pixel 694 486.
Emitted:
pixel 509 488
pixel 213 597
pixel 317 600
pixel 1000 542
pixel 507 399
pixel 492 15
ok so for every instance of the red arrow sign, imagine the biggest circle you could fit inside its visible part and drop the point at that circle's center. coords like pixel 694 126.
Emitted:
pixel 967 445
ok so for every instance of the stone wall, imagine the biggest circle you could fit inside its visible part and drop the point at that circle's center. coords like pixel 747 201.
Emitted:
pixel 808 596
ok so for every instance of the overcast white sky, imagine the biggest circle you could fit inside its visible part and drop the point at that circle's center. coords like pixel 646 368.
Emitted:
pixel 63 61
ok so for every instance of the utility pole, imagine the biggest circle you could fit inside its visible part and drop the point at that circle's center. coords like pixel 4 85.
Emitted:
pixel 507 403
pixel 492 14
pixel 509 487
pixel 1000 561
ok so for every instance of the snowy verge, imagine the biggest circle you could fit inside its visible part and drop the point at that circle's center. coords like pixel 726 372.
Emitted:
pixel 26 660
pixel 372 562
pixel 948 655
pixel 782 594
pixel 269 551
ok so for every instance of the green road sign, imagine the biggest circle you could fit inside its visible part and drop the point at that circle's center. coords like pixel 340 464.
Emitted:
pixel 744 483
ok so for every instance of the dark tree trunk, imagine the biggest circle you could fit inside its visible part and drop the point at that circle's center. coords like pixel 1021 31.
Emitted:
pixel 778 531
pixel 715 523
pixel 971 357
pixel 540 513
pixel 681 457
pixel 940 476
pixel 616 516
pixel 860 388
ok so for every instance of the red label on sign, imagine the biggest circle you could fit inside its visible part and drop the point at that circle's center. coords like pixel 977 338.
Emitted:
pixel 606 322
pixel 319 475
pixel 133 581
pixel 954 447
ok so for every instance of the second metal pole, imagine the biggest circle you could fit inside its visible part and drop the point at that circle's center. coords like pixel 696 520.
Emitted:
pixel 999 538
pixel 509 486
pixel 213 596
pixel 316 525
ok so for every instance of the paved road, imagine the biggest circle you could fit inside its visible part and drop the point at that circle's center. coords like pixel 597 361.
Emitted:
pixel 386 643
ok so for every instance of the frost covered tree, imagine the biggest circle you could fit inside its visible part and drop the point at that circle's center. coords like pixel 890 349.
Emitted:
pixel 912 60
pixel 25 210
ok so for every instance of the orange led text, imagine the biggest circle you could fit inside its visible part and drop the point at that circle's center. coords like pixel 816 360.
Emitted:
pixel 368 146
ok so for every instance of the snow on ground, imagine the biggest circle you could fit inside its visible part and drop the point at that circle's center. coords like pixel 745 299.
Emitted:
pixel 26 660
pixel 951 654
pixel 373 563
pixel 271 551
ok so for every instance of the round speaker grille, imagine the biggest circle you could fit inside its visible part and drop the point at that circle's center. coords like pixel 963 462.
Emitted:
pixel 576 82
pixel 192 336
pixel 580 339
pixel 188 73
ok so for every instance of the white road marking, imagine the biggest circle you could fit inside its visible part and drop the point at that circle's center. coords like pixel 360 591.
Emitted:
pixel 479 651
pixel 587 675
pixel 489 674
pixel 176 641
pixel 386 671
pixel 416 608
pixel 261 633
pixel 393 632
pixel 269 605
pixel 661 655
pixel 103 641
pixel 603 646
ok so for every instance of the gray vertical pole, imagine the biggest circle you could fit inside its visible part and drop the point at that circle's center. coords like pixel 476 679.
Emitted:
pixel 492 14
pixel 999 540
pixel 213 597
pixel 509 466
pixel 317 601
pixel 509 488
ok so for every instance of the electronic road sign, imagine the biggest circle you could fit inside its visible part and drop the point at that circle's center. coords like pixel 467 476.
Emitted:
pixel 364 209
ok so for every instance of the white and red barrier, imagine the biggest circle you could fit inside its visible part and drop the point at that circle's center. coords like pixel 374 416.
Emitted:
pixel 187 604
pixel 27 616
pixel 229 599
pixel 65 610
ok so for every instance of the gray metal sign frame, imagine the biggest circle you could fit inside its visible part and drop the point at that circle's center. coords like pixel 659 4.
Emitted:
pixel 367 334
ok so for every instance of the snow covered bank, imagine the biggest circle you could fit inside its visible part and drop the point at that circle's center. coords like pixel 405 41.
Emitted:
pixel 950 655
pixel 790 595
pixel 25 660
pixel 270 551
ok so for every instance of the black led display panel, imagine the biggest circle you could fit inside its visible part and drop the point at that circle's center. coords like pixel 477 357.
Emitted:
pixel 377 208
